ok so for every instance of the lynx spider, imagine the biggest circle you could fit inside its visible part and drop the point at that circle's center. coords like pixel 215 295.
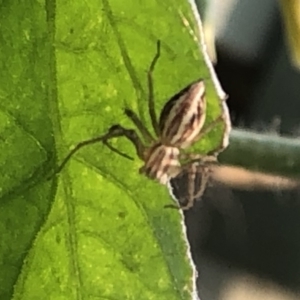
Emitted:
pixel 179 126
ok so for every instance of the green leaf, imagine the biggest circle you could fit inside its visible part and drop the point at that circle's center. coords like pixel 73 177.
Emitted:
pixel 98 230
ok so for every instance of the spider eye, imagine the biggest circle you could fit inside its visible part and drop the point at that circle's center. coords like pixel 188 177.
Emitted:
pixel 183 116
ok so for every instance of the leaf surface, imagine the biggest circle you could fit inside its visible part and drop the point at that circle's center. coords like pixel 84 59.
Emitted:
pixel 99 229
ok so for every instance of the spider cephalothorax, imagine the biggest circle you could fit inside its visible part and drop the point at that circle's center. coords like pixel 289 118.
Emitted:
pixel 161 162
pixel 179 126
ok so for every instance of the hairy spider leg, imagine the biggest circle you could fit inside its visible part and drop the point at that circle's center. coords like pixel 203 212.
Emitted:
pixel 130 135
pixel 204 132
pixel 151 105
pixel 139 124
pixel 204 180
pixel 190 158
pixel 221 146
pixel 193 170
pixel 113 132
pixel 191 187
pixel 147 136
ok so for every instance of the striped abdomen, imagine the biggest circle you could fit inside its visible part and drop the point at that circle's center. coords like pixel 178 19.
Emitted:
pixel 183 116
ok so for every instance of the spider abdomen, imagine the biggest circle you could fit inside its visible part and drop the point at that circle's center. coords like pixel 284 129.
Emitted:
pixel 161 163
pixel 183 116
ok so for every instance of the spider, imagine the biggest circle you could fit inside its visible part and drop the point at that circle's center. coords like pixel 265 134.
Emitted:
pixel 179 126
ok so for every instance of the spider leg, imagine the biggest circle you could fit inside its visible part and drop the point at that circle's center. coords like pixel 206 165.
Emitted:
pixel 192 171
pixel 138 123
pixel 192 193
pixel 204 172
pixel 131 135
pixel 113 149
pixel 113 132
pixel 196 164
pixel 210 127
pixel 190 158
pixel 192 196
pixel 204 181
pixel 151 106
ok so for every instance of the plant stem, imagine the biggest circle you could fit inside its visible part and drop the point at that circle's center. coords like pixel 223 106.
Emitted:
pixel 263 152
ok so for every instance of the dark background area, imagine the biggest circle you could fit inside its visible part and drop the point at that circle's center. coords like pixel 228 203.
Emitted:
pixel 256 232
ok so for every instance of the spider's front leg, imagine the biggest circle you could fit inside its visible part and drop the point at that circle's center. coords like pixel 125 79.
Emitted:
pixel 187 159
pixel 151 104
pixel 130 134
pixel 139 124
pixel 223 118
pixel 113 132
